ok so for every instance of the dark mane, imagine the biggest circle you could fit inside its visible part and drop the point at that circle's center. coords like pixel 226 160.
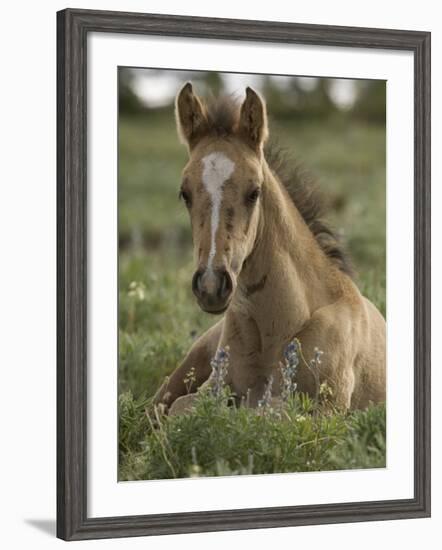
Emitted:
pixel 308 199
pixel 223 113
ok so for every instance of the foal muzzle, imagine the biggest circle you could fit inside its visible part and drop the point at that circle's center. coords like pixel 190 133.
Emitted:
pixel 213 289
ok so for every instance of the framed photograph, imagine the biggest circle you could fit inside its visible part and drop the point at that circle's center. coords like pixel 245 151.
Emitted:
pixel 243 274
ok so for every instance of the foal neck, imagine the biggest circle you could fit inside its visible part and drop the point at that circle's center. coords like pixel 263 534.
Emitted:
pixel 287 277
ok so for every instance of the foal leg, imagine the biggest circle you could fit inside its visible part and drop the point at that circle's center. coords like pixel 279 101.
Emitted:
pixel 198 358
pixel 331 330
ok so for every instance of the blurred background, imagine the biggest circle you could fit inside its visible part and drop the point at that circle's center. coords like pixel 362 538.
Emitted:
pixel 335 127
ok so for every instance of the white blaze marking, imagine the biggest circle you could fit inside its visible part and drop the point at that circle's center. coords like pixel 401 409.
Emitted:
pixel 217 170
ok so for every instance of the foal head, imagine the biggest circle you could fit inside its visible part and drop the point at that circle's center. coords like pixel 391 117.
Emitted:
pixel 221 188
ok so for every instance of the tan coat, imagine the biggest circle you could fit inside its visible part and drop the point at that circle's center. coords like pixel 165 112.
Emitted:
pixel 258 261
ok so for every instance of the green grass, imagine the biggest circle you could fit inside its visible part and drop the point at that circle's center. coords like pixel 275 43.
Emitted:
pixel 159 319
pixel 215 439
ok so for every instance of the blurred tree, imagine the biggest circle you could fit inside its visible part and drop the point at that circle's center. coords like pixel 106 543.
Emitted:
pixel 276 98
pixel 128 101
pixel 371 100
pixel 297 99
pixel 207 83
pixel 286 97
pixel 317 102
pixel 213 82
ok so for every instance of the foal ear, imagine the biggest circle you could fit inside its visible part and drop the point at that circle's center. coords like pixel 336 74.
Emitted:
pixel 190 116
pixel 253 120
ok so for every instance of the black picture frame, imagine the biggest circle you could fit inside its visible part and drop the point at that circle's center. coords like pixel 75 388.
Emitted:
pixel 73 27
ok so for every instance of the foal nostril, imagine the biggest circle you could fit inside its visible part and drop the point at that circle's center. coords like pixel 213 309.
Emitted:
pixel 212 287
pixel 225 285
pixel 196 283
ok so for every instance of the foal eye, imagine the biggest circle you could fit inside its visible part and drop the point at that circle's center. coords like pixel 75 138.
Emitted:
pixel 186 197
pixel 252 196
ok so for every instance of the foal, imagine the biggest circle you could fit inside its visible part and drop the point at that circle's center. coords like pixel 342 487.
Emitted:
pixel 266 261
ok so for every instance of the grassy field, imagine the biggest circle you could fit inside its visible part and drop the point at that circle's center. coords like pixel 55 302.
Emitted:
pixel 159 319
